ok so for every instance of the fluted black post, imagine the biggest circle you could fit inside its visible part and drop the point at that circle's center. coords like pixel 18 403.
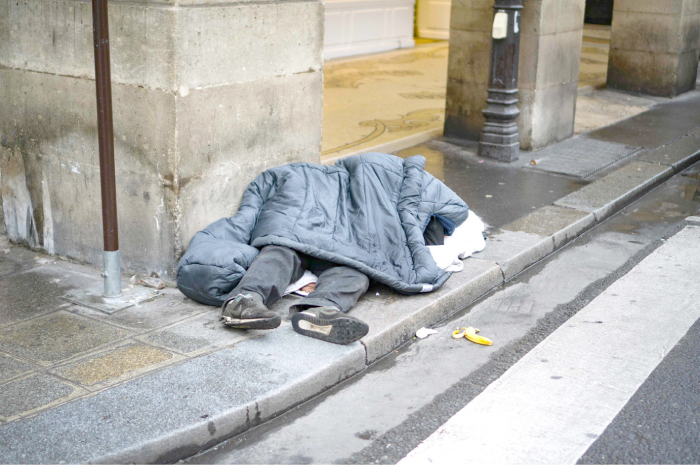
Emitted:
pixel 499 139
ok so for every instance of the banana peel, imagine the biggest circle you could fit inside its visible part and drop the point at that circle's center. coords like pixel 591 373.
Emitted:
pixel 471 334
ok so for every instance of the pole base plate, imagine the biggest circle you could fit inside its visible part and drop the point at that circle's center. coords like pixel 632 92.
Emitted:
pixel 94 298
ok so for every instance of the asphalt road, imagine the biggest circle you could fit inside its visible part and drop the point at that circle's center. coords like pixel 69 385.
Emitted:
pixel 382 414
pixel 661 423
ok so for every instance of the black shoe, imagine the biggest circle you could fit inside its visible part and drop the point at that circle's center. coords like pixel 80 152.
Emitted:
pixel 248 312
pixel 329 324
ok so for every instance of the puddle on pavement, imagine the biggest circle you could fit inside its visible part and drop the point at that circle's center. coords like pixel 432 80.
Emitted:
pixel 498 192
pixel 670 203
pixel 624 228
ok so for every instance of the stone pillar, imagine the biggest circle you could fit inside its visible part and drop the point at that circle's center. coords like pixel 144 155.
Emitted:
pixel 550 49
pixel 206 94
pixel 468 67
pixel 550 54
pixel 654 46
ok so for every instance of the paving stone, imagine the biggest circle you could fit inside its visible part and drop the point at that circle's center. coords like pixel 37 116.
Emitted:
pixel 57 337
pixel 581 156
pixel 560 223
pixel 393 318
pixel 180 410
pixel 45 282
pixel 113 365
pixel 515 251
pixel 663 123
pixel 8 265
pixel 200 334
pixel 10 368
pixel 678 154
pixel 42 295
pixel 168 309
pixel 14 259
pixel 607 195
pixel 31 393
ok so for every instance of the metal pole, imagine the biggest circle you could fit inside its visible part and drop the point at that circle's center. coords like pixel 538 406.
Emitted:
pixel 105 132
pixel 499 139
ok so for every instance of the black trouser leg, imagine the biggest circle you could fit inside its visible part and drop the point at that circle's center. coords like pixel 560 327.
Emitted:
pixel 270 273
pixel 434 232
pixel 338 286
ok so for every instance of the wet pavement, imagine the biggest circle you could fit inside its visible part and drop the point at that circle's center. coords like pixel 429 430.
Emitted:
pixel 501 193
pixel 381 414
pixel 665 122
pixel 377 417
pixel 53 352
pixel 498 192
pixel 202 382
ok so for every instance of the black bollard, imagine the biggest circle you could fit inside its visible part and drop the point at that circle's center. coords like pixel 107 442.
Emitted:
pixel 499 138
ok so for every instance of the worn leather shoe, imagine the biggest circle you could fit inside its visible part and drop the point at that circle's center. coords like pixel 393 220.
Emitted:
pixel 248 312
pixel 329 324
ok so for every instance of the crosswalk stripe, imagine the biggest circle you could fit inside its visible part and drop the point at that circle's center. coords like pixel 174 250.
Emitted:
pixel 552 405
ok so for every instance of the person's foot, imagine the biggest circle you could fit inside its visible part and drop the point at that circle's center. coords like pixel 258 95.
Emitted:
pixel 329 324
pixel 249 312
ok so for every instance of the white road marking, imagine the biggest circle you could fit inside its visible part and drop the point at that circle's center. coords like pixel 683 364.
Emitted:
pixel 552 405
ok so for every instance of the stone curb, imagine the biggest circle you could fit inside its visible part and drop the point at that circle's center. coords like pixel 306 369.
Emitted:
pixel 243 386
pixel 560 223
pixel 611 193
pixel 394 320
pixel 678 154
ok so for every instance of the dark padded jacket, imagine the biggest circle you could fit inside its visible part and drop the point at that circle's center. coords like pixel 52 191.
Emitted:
pixel 367 212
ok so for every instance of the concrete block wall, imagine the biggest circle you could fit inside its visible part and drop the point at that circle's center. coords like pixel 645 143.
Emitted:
pixel 551 32
pixel 654 46
pixel 206 93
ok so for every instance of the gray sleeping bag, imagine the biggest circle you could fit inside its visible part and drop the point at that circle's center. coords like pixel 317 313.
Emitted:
pixel 367 212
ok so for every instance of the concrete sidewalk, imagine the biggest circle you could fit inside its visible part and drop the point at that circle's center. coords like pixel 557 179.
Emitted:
pixel 163 380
